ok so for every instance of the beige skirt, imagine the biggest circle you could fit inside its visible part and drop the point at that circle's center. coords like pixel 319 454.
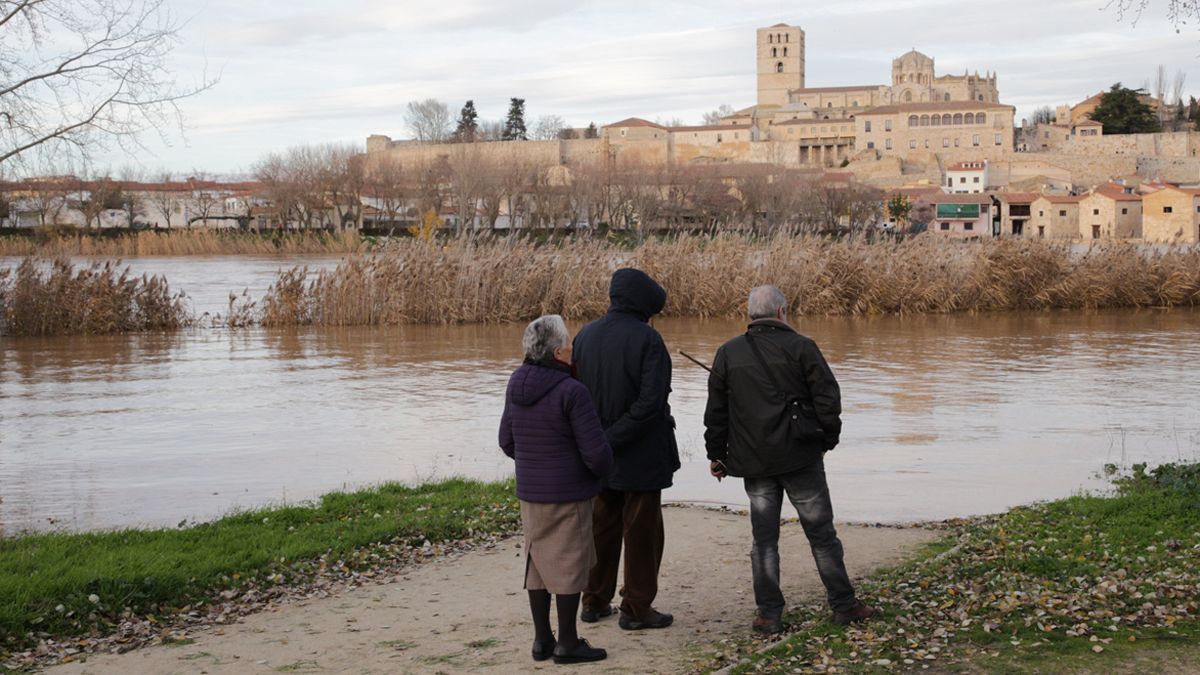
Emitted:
pixel 559 549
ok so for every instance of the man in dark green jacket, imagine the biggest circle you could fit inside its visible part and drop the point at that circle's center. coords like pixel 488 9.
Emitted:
pixel 774 410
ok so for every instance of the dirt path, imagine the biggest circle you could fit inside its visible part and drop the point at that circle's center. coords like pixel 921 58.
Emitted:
pixel 470 614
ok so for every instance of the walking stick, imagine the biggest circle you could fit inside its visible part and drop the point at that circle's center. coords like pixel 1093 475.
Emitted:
pixel 695 360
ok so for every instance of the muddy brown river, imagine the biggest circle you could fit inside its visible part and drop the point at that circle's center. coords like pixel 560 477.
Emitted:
pixel 944 415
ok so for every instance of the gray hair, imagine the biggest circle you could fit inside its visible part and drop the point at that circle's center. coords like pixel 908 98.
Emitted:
pixel 543 335
pixel 766 302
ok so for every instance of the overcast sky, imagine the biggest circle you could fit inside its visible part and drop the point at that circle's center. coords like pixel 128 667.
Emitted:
pixel 314 71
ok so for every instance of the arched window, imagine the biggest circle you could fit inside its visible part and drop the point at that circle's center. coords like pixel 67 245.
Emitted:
pixel 925 120
pixel 980 119
pixel 779 67
pixel 829 105
pixel 969 118
pixel 958 118
pixel 908 97
pixel 771 39
pixel 947 96
pixel 787 37
pixel 785 51
pixel 913 120
pixel 981 97
pixel 946 120
pixel 774 52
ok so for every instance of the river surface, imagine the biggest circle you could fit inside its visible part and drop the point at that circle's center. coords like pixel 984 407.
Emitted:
pixel 944 415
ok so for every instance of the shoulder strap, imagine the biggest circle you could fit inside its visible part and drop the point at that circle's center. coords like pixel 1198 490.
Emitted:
pixel 770 373
pixel 763 363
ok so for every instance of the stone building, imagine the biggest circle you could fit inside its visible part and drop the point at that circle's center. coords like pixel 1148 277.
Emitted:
pixel 1055 217
pixel 1111 212
pixel 1171 215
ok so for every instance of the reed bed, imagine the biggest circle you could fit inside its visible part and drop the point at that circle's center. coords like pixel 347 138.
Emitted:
pixel 505 280
pixel 185 243
pixel 54 297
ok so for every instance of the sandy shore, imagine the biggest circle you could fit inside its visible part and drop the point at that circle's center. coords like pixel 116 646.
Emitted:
pixel 470 614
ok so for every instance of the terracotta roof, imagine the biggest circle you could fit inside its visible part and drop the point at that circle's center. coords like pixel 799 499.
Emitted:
pixel 1018 197
pixel 1062 199
pixel 634 122
pixel 1195 192
pixel 961 199
pixel 969 106
pixel 1089 123
pixel 711 127
pixel 963 166
pixel 1117 193
pixel 829 90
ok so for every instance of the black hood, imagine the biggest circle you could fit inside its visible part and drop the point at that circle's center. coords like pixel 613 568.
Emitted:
pixel 634 292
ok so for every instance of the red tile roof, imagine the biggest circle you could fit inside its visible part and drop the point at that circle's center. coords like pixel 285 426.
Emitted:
pixel 967 166
pixel 961 199
pixel 1018 197
pixel 634 122
pixel 1117 193
pixel 1062 199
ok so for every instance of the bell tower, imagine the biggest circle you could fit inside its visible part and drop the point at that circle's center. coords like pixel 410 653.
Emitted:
pixel 780 63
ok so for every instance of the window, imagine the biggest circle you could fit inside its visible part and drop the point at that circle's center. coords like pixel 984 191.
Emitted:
pixel 981 97
pixel 945 142
pixel 969 118
pixel 1125 212
pixel 980 118
pixel 1095 212
pixel 785 51
pixel 908 97
pixel 997 139
pixel 774 52
pixel 976 179
pixel 962 179
pixel 1041 214
pixel 887 125
pixel 956 141
pixel 787 37
pixel 945 226
pixel 975 140
pixel 1041 231
pixel 1062 214
pixel 1095 232
pixel 968 226
pixel 913 120
pixel 867 125
pixel 771 38
pixel 936 120
pixel 718 138
pixel 947 120
pixel 912 144
pixel 829 105
pixel 926 143
pixel 779 67
pixel 888 144
pixel 950 182
pixel 947 97
pixel 870 145
pixel 958 118
pixel 1167 209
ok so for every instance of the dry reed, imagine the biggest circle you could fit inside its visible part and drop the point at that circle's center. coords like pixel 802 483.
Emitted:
pixel 42 297
pixel 184 243
pixel 515 280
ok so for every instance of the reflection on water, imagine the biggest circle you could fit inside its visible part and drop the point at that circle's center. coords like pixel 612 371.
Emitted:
pixel 945 415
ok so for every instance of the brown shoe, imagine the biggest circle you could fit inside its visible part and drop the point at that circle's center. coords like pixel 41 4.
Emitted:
pixel 859 612
pixel 764 626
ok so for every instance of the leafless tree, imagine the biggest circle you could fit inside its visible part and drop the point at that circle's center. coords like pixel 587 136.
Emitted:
pixel 204 198
pixel 429 120
pixel 165 199
pixel 547 127
pixel 1179 12
pixel 714 116
pixel 48 196
pixel 76 75
pixel 386 185
pixel 1178 109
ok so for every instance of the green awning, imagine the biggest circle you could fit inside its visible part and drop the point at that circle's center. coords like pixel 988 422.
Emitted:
pixel 957 211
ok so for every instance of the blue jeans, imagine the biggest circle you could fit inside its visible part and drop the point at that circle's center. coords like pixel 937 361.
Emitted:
pixel 809 493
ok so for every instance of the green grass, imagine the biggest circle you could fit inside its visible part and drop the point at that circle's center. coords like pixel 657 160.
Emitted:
pixel 71 584
pixel 1055 587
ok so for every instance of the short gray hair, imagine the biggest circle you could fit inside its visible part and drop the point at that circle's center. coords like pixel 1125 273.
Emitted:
pixel 542 336
pixel 765 302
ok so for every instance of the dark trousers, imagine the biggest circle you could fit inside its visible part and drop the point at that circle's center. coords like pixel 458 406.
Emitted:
pixel 809 493
pixel 634 518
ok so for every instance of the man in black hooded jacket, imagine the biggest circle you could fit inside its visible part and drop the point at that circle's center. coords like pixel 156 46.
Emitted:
pixel 624 364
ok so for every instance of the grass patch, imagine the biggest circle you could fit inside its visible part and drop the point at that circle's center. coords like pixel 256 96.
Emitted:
pixel 1072 584
pixel 73 584
pixel 483 644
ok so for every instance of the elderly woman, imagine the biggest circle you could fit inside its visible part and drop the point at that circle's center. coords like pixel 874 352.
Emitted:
pixel 551 429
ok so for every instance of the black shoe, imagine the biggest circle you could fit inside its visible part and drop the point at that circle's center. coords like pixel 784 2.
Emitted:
pixel 655 619
pixel 543 650
pixel 592 615
pixel 765 626
pixel 582 653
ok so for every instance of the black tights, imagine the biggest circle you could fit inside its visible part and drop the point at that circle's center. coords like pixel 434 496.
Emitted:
pixel 568 608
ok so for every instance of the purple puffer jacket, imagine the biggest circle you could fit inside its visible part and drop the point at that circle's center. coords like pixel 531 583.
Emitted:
pixel 551 429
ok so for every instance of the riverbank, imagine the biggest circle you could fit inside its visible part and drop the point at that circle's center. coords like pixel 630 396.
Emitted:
pixel 65 595
pixel 1076 585
pixel 52 243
